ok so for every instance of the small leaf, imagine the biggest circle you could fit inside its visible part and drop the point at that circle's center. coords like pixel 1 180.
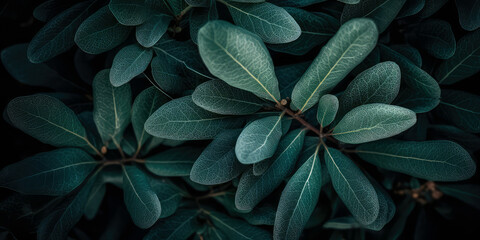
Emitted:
pixel 372 122
pixel 218 164
pixel 129 12
pixel 45 173
pixel 168 74
pixel 181 119
pixel 439 160
pixel 351 185
pixel 128 63
pixel 464 63
pixel 298 199
pixel 235 228
pixel 462 109
pixel 252 189
pixel 48 120
pixel 327 109
pixel 467 193
pixel 179 226
pixel 409 52
pixel 218 97
pixel 259 140
pixel 345 50
pixel 239 58
pixel 141 201
pixel 469 14
pixel 173 162
pixel 111 108
pixel 100 32
pixel 410 8
pixel 152 30
pixel 169 195
pixel 435 37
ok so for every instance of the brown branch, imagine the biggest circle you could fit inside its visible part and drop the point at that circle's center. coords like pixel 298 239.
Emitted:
pixel 299 119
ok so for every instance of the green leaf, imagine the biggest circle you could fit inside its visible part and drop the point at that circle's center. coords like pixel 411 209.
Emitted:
pixel 128 63
pixel 386 205
pixel 435 37
pixel 295 3
pixel 288 76
pixel 468 14
pixel 327 109
pixel 179 226
pixel 176 6
pixel 372 122
pixel 253 189
pixel 382 12
pixel 173 162
pixel 396 228
pixel 239 58
pixel 467 193
pixel 46 173
pixel 144 105
pixel 259 140
pixel 469 141
pixel 100 32
pixel 431 7
pixel 378 84
pixel 462 109
pixel 271 23
pixel 421 93
pixel 57 36
pixel 410 8
pixel 169 195
pixel 464 63
pixel 141 201
pixel 409 52
pixel 200 16
pixel 235 228
pixel 345 50
pixel 298 199
pixel 439 160
pixel 342 223
pixel 218 97
pixel 48 120
pixel 152 30
pixel 129 12
pixel 111 108
pixel 218 164
pixel 181 119
pixel 95 198
pixel 49 9
pixel 316 29
pixel 168 74
pixel 351 185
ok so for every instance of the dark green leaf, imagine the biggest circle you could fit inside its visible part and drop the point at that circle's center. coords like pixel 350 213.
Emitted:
pixel 128 63
pixel 200 16
pixel 95 198
pixel 169 195
pixel 411 7
pixel 409 52
pixel 431 7
pixel 435 37
pixel 152 30
pixel 235 228
pixel 467 193
pixel 469 14
pixel 169 74
pixel 129 12
pixel 295 3
pixel 179 226
pixel 462 109
pixel 288 76
pixel 173 162
pixel 327 109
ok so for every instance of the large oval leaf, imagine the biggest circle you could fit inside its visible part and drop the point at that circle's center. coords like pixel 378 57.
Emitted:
pixel 461 109
pixel 433 160
pixel 181 119
pixel 129 12
pixel 179 226
pixel 173 162
pixel 128 63
pixel 152 30
pixel 239 58
pixel 236 228
pixel 351 185
pixel 373 121
pixel 468 14
pixel 435 37
pixel 467 193
pixel 350 45
pixel 45 173
pixel 169 194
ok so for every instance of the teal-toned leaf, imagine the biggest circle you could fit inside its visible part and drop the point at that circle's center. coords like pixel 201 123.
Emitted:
pixel 259 140
pixel 176 6
pixel 349 1
pixel 382 12
pixel 173 162
pixel 239 58
pixel 111 108
pixel 144 105
pixel 49 9
pixel 467 193
pixel 469 141
pixel 169 195
pixel 372 59
pixel 295 3
pixel 181 119
pixel 141 201
pixel 179 226
pixel 342 223
pixel 262 214
pixel 464 63
pixel 468 14
pixel 57 36
pixel 45 173
pixel 48 120
pixel 411 7
pixel 409 52
pixel 95 198
pixel 345 50
pixel 288 76
pixel 327 109
pixel 129 12
pixel 218 164
pixel 152 30
pixel 272 23
pixel 462 109
pixel 316 29
pixel 431 7
pixel 252 189
pixel 218 97
pixel 298 199
pixel 378 84
pixel 351 185
pixel 386 205
pixel 439 160
pixel 396 228
pixel 128 63
pixel 372 122
pixel 169 75
pixel 100 32
pixel 200 16
pixel 236 228
pixel 435 37
pixel 421 93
